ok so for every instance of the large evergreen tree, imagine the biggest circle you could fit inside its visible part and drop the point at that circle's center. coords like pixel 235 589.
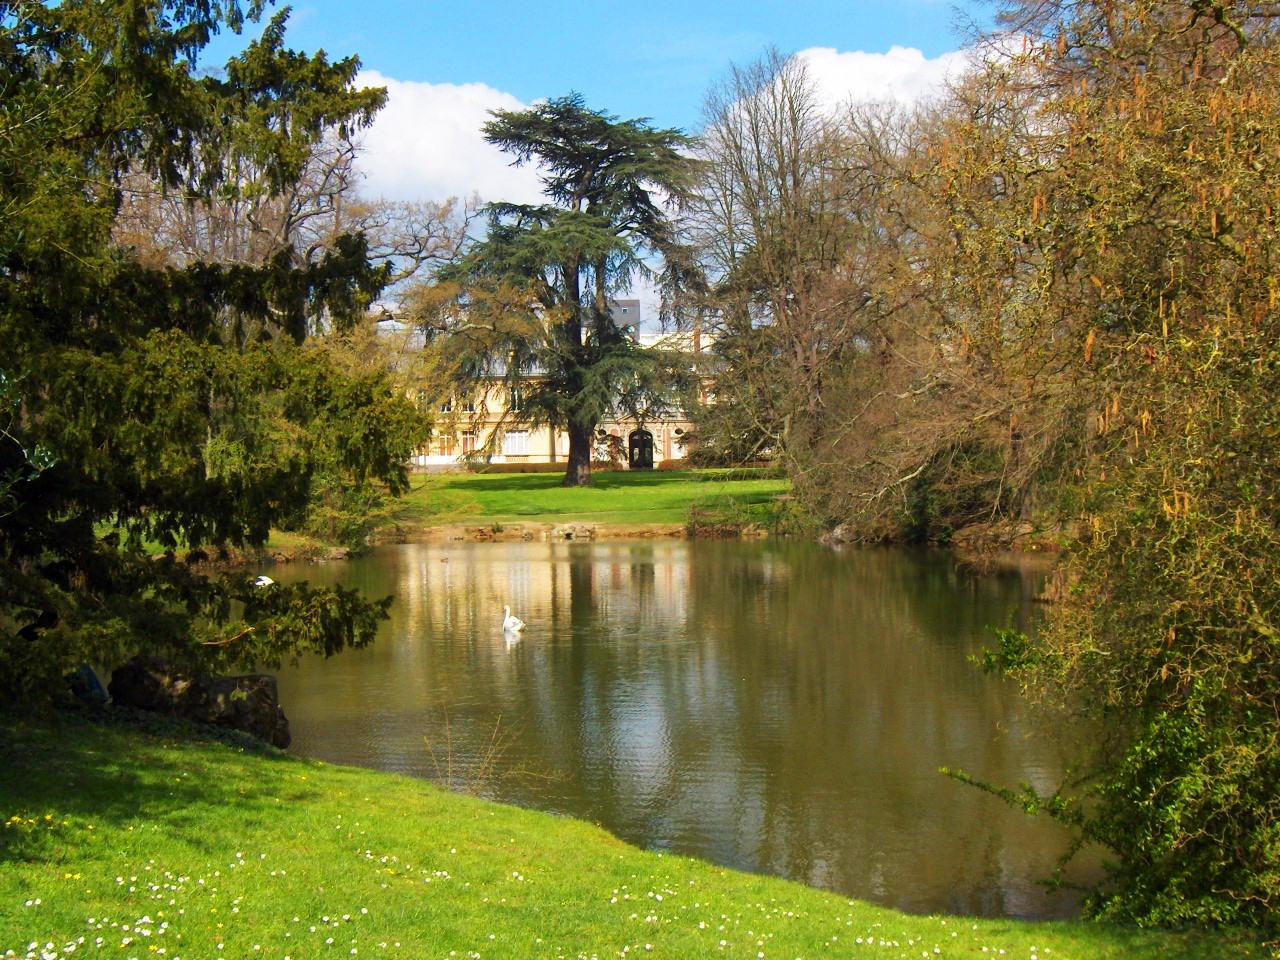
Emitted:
pixel 534 293
pixel 172 404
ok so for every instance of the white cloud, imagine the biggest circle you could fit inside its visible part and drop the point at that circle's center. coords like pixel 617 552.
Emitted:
pixel 903 74
pixel 426 144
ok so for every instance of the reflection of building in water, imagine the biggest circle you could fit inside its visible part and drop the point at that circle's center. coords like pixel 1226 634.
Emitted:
pixel 460 590
pixel 464 586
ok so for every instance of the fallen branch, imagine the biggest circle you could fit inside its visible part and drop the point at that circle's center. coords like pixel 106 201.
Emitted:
pixel 222 643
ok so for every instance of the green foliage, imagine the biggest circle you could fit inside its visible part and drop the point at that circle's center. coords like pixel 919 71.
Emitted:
pixel 1172 631
pixel 529 303
pixel 1054 290
pixel 284 102
pixel 959 486
pixel 347 515
pixel 17 465
pixel 1187 813
pixel 745 423
pixel 729 514
pixel 171 404
pixel 1014 652
pixel 294 619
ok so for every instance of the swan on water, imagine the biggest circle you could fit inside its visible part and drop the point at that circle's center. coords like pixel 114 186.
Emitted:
pixel 511 624
pixel 263 581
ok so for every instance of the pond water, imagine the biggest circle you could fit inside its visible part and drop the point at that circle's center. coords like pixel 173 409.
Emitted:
pixel 774 707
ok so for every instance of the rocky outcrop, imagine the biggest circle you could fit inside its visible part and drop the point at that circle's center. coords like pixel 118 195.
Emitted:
pixel 307 554
pixel 250 702
pixel 573 531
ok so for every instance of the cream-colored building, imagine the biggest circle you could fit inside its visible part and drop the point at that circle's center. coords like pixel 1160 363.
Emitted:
pixel 481 425
pixel 488 423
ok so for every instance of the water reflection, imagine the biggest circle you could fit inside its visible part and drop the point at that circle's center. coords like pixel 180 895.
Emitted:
pixel 773 707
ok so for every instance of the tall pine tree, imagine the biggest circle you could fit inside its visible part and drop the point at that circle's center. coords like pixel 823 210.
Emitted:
pixel 534 294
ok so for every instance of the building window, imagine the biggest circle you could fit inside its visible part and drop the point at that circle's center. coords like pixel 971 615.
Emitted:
pixel 447 406
pixel 515 400
pixel 516 443
pixel 446 446
pixel 469 407
pixel 468 442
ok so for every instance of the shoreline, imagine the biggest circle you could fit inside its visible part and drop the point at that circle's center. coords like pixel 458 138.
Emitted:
pixel 978 545
pixel 498 531
pixel 569 530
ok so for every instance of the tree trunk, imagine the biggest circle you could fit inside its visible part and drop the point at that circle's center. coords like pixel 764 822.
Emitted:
pixel 578 473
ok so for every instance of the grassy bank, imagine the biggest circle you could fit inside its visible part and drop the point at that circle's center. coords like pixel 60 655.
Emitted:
pixel 122 844
pixel 618 497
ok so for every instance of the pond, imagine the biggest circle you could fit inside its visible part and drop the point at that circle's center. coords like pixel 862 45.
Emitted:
pixel 774 707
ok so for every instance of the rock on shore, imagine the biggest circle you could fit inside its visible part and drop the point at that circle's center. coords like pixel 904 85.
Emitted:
pixel 250 702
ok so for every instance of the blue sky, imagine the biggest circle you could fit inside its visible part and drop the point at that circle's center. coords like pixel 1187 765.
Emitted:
pixel 653 58
pixel 447 65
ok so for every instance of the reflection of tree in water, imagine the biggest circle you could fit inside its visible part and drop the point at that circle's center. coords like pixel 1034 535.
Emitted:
pixel 606 722
pixel 827 692
pixel 862 674
pixel 582 594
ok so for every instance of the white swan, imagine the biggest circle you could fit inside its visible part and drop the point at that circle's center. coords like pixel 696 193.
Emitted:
pixel 511 624
pixel 263 581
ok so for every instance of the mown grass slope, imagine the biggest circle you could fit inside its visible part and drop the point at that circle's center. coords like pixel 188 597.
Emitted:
pixel 618 497
pixel 120 843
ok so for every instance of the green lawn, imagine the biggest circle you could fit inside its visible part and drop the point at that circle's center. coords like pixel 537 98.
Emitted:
pixel 122 844
pixel 621 497
pixel 736 497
